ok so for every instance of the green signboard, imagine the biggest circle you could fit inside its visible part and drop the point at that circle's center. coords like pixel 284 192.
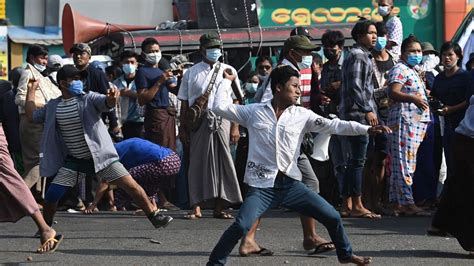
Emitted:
pixel 420 17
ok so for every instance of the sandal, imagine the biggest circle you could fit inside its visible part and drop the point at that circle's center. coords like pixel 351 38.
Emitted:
pixel 192 216
pixel 222 215
pixel 56 241
pixel 323 247
pixel 262 252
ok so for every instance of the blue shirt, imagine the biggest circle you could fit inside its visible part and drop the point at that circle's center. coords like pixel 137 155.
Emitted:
pixel 132 114
pixel 135 151
pixel 453 91
pixel 145 78
pixel 53 150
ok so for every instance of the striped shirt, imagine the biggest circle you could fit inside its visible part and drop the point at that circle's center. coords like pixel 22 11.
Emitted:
pixel 305 86
pixel 70 126
pixel 305 83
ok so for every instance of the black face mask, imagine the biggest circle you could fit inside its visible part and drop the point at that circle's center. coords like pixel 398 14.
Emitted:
pixel 329 54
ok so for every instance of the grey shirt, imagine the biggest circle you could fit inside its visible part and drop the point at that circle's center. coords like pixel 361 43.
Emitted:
pixel 53 150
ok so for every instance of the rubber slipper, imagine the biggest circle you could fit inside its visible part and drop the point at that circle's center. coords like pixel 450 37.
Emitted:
pixel 322 248
pixel 262 252
pixel 192 216
pixel 56 240
pixel 368 215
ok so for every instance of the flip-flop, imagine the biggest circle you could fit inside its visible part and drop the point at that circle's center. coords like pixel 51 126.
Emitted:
pixel 56 240
pixel 322 248
pixel 367 215
pixel 262 252
pixel 192 216
pixel 222 215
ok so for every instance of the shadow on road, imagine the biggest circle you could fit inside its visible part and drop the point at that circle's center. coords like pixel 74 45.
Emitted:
pixel 134 253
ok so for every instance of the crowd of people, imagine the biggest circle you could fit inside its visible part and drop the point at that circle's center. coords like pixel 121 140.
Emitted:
pixel 148 133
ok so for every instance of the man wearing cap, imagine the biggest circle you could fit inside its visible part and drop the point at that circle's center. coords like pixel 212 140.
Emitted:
pixel 30 133
pixel 96 80
pixel 75 142
pixel 55 62
pixel 211 174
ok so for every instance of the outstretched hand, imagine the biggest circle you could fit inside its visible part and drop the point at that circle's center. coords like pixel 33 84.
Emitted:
pixel 379 129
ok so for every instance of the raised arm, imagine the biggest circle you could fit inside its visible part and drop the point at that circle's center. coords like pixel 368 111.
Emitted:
pixel 223 104
pixel 30 105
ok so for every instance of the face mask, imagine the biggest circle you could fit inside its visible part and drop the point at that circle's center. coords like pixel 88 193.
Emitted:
pixel 39 67
pixel 251 87
pixel 384 11
pixel 153 58
pixel 213 54
pixel 329 54
pixel 306 62
pixel 76 87
pixel 129 69
pixel 414 59
pixel 380 44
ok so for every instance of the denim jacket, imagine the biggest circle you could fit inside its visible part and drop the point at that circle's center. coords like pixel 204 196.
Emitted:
pixel 53 150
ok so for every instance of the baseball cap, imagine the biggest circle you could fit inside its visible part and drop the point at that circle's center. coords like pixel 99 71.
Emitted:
pixel 300 30
pixel 81 47
pixel 55 61
pixel 299 42
pixel 70 71
pixel 209 40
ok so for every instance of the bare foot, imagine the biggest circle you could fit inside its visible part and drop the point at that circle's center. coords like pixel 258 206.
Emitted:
pixel 358 260
pixel 194 214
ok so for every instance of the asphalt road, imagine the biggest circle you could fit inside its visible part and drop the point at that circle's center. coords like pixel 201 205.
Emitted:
pixel 124 239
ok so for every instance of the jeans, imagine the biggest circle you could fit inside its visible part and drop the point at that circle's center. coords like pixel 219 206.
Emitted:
pixel 291 194
pixel 339 159
pixel 357 148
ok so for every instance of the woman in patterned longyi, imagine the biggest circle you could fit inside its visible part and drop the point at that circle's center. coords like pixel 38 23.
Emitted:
pixel 408 117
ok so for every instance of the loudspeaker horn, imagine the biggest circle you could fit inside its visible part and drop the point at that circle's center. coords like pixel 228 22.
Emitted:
pixel 77 28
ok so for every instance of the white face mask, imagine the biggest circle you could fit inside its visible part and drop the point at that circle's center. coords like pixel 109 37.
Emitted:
pixel 40 67
pixel 384 11
pixel 153 58
pixel 251 87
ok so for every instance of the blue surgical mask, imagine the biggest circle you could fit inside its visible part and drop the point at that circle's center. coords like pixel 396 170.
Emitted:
pixel 251 87
pixel 384 11
pixel 40 67
pixel 380 44
pixel 414 59
pixel 129 69
pixel 306 62
pixel 76 87
pixel 213 54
